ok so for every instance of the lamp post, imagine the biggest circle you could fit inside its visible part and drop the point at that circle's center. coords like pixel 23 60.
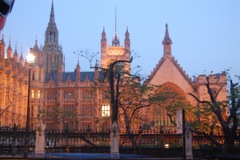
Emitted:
pixel 30 59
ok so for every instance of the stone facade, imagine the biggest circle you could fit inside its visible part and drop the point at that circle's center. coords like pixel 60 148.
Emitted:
pixel 13 87
pixel 170 74
pixel 72 100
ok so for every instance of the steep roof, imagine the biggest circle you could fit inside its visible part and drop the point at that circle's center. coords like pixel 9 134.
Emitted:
pixel 176 64
pixel 171 67
pixel 71 76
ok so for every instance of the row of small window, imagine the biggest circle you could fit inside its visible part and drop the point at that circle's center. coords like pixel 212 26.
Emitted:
pixel 84 111
pixel 70 95
pixel 86 95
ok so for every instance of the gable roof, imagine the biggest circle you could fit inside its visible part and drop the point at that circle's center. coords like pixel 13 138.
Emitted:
pixel 176 64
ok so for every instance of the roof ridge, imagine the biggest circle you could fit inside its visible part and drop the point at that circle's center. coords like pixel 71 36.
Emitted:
pixel 186 76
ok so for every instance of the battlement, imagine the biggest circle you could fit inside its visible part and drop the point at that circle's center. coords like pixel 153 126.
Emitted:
pixel 213 78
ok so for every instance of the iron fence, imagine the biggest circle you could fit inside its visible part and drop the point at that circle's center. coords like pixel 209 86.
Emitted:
pixel 154 143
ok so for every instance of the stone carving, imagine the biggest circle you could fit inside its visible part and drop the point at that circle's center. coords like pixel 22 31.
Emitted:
pixel 114 129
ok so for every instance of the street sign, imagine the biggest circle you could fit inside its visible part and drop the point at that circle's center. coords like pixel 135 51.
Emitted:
pixel 179 120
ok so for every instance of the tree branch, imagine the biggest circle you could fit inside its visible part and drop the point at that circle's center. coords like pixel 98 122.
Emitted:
pixel 7 106
pixel 198 100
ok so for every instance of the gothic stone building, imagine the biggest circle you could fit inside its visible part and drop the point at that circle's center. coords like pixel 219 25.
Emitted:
pixel 71 99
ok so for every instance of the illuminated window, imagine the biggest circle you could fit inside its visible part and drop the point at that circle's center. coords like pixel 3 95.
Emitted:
pixel 32 93
pixel 106 110
pixel 39 94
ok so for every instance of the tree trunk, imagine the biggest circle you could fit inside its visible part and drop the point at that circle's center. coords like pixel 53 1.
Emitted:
pixel 130 135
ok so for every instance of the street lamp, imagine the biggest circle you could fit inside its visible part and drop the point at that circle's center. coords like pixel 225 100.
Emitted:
pixel 30 59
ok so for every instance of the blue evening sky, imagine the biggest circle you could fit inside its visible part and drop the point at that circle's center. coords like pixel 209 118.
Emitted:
pixel 205 33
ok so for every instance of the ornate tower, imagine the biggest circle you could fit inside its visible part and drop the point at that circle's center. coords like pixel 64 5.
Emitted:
pixel 103 44
pixel 2 47
pixel 38 68
pixel 127 40
pixel 52 50
pixel 115 51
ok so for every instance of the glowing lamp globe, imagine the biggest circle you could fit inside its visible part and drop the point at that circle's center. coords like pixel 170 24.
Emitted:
pixel 30 58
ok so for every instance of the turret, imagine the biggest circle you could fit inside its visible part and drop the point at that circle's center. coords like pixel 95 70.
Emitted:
pixel 52 32
pixel 36 48
pixel 103 41
pixel 15 56
pixel 167 42
pixel 2 47
pixel 127 40
pixel 21 60
pixel 115 41
pixel 77 73
pixel 52 50
pixel 9 51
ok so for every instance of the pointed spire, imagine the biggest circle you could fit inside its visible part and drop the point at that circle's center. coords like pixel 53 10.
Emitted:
pixel 21 59
pixel 115 41
pixel 2 47
pixel 9 46
pixel 167 38
pixel 36 48
pixel 104 34
pixel 2 41
pixel 9 51
pixel 115 20
pixel 167 42
pixel 127 33
pixel 15 52
pixel 103 31
pixel 127 39
pixel 52 17
pixel 78 68
pixel 15 55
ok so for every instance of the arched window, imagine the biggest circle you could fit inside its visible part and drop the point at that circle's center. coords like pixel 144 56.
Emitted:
pixel 175 97
pixel 51 37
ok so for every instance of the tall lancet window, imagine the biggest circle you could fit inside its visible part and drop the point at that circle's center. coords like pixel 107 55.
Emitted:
pixel 51 37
